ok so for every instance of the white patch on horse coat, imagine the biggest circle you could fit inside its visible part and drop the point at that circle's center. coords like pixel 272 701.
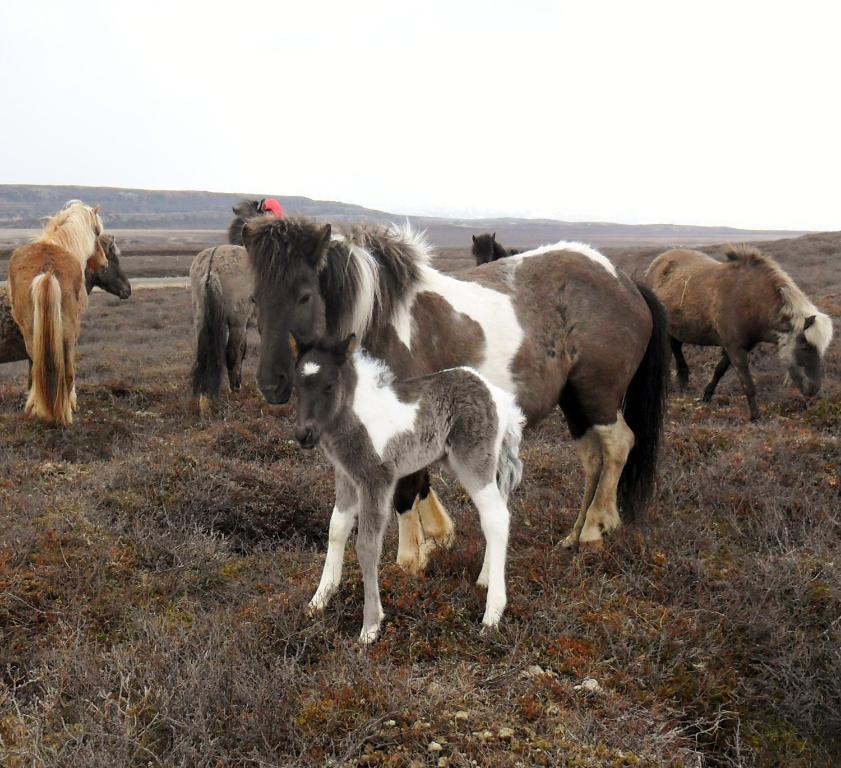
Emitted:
pixel 365 267
pixel 402 320
pixel 310 368
pixel 564 245
pixel 493 311
pixel 376 405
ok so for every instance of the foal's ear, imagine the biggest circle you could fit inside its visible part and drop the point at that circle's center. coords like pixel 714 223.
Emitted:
pixel 493 237
pixel 474 238
pixel 346 347
pixel 810 321
pixel 293 345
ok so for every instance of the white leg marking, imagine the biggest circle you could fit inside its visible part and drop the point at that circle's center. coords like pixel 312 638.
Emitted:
pixel 616 440
pixel 494 516
pixel 341 524
pixel 589 452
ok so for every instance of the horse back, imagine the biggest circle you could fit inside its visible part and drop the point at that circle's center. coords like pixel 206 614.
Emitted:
pixel 229 265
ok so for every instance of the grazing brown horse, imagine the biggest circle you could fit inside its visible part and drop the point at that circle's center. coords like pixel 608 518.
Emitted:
pixel 557 326
pixel 486 248
pixel 735 305
pixel 47 292
pixel 110 278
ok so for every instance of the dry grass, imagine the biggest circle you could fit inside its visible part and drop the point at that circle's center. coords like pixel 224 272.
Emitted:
pixel 154 569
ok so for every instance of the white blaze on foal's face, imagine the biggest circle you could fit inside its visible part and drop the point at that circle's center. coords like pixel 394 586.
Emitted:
pixel 310 369
pixel 376 405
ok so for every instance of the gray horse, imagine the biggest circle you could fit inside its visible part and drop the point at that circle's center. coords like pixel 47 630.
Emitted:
pixel 220 281
pixel 375 430
pixel 109 278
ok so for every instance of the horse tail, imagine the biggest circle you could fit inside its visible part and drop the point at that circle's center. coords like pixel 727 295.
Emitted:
pixel 49 397
pixel 210 346
pixel 509 467
pixel 644 410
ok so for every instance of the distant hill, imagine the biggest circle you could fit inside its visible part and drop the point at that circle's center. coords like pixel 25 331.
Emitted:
pixel 23 205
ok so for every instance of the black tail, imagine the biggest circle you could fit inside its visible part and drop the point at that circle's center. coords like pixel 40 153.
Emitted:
pixel 645 407
pixel 210 349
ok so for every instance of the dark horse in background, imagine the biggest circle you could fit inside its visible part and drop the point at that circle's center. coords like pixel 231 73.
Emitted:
pixel 737 304
pixel 557 326
pixel 220 284
pixel 486 249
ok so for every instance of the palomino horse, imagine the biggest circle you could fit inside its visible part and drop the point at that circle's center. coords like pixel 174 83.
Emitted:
pixel 376 430
pixel 486 248
pixel 735 305
pixel 559 325
pixel 110 278
pixel 220 281
pixel 47 293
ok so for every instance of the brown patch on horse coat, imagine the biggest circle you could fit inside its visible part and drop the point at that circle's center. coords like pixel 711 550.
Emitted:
pixel 570 342
pixel 712 303
pixel 448 339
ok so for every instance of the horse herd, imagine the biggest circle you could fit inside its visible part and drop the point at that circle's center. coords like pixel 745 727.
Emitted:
pixel 453 365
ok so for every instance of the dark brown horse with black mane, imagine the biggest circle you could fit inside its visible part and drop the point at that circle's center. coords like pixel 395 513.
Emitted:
pixel 737 304
pixel 559 325
pixel 486 249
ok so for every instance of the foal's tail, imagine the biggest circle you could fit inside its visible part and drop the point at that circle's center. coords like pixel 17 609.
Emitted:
pixel 49 397
pixel 209 364
pixel 645 407
pixel 509 467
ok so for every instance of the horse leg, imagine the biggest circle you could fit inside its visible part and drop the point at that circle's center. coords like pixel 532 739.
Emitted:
pixel 616 441
pixel 720 370
pixel 589 452
pixel 495 520
pixel 739 358
pixel 373 519
pixel 70 378
pixel 234 355
pixel 680 362
pixel 423 523
pixel 341 524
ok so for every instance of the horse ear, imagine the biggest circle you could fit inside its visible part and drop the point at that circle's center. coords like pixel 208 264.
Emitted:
pixel 474 238
pixel 318 258
pixel 293 345
pixel 493 237
pixel 810 321
pixel 346 347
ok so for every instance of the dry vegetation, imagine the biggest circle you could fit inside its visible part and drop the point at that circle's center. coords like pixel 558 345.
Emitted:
pixel 154 569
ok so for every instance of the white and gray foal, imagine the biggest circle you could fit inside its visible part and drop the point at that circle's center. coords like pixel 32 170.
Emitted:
pixel 376 430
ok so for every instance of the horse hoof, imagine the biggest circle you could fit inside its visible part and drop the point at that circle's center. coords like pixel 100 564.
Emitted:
pixel 368 635
pixel 596 545
pixel 414 559
pixel 482 581
pixel 570 541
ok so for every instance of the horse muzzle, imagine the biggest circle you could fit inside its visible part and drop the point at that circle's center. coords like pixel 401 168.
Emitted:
pixel 306 437
pixel 276 394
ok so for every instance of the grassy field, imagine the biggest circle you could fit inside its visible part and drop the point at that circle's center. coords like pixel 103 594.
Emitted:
pixel 154 569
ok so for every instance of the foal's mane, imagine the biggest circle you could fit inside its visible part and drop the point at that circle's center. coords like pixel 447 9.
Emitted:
pixel 74 228
pixel 369 269
pixel 795 306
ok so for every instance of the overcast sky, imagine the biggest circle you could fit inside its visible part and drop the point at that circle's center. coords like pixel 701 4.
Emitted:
pixel 685 112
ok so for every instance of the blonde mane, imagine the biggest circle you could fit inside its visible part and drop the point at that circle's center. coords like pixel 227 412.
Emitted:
pixel 795 306
pixel 74 228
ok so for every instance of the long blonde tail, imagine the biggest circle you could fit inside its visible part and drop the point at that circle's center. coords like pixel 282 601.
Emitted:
pixel 49 398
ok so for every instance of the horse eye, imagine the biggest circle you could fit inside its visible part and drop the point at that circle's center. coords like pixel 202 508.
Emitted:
pixel 305 298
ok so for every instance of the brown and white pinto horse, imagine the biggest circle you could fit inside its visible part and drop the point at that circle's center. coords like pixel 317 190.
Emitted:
pixel 559 325
pixel 47 294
